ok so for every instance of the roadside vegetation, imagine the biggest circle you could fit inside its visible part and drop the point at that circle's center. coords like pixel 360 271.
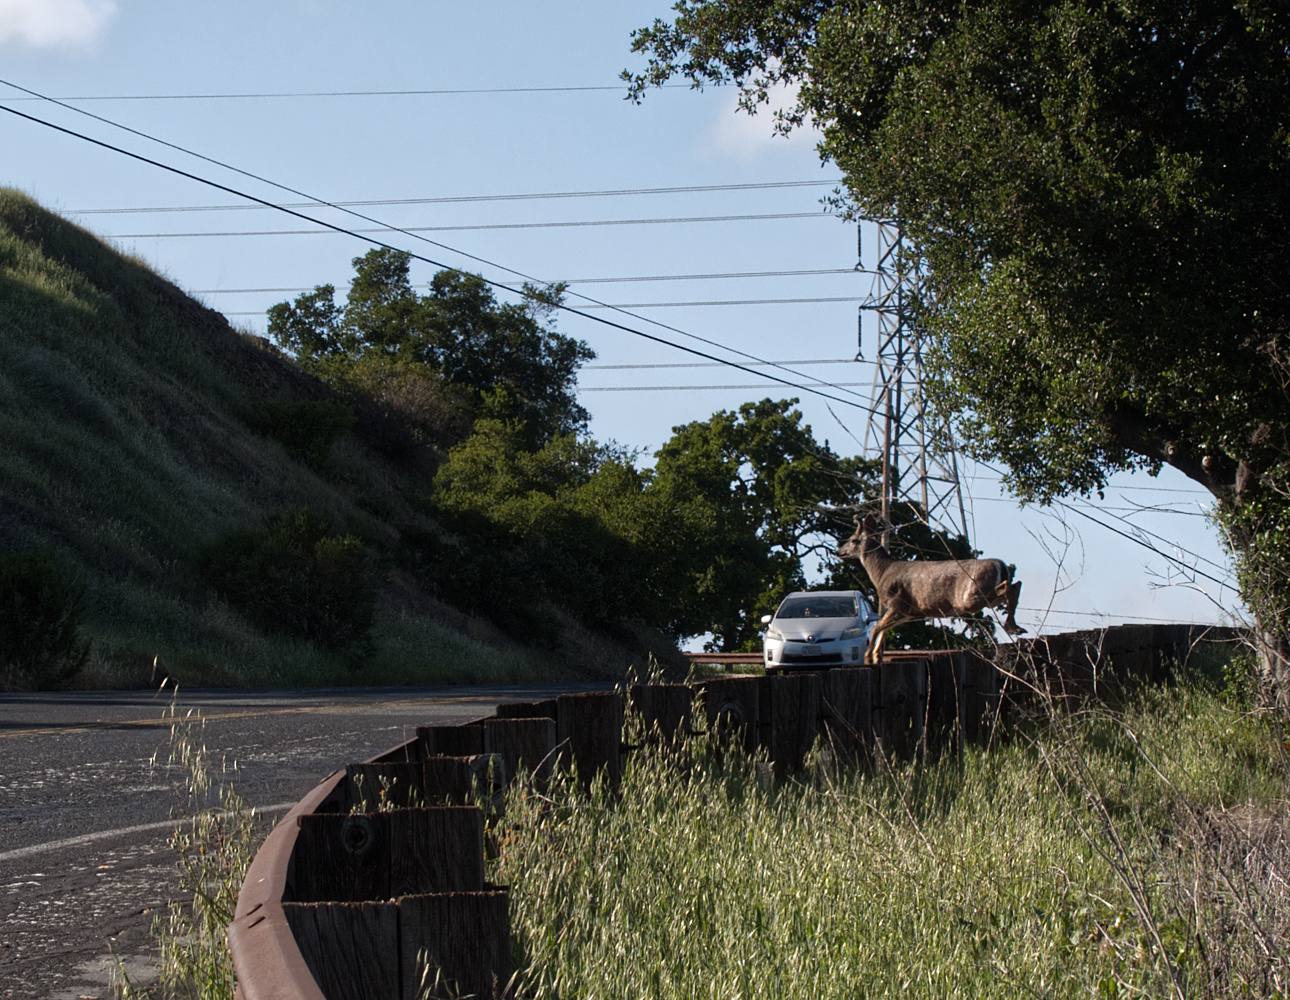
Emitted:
pixel 1138 852
pixel 1108 852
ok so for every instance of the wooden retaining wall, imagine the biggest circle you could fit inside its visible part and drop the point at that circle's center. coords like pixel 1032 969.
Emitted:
pixel 373 887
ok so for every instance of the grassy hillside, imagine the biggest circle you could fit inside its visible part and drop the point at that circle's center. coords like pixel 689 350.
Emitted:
pixel 132 434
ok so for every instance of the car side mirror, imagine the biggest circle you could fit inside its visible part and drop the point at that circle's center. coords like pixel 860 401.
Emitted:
pixel 765 619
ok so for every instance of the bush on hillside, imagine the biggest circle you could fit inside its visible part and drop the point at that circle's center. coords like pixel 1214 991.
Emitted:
pixel 40 612
pixel 296 575
pixel 306 428
pixel 484 571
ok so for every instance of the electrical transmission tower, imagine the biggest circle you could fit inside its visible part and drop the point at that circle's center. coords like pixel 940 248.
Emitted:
pixel 919 465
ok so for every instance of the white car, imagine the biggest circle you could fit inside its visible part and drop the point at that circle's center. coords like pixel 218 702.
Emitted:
pixel 818 626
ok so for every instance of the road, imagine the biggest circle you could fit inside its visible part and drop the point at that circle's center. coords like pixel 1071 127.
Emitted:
pixel 87 800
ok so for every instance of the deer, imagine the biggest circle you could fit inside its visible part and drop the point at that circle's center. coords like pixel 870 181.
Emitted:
pixel 909 591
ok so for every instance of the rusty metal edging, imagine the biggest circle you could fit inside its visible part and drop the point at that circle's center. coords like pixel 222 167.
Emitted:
pixel 266 960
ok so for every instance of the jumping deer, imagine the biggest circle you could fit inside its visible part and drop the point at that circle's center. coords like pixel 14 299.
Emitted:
pixel 912 591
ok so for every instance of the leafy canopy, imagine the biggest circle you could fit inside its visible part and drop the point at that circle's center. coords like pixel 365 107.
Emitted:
pixel 762 498
pixel 708 540
pixel 504 358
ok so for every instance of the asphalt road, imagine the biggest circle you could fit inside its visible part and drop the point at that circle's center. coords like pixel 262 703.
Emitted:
pixel 87 803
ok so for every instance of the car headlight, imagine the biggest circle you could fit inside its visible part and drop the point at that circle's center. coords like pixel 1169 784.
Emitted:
pixel 856 632
pixel 774 633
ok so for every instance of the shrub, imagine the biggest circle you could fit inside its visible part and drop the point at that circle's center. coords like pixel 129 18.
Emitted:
pixel 40 612
pixel 485 571
pixel 306 428
pixel 296 575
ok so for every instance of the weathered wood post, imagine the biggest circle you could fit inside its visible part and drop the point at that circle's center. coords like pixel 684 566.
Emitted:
pixel 846 697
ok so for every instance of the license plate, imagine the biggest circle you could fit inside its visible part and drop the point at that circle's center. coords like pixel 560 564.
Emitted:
pixel 810 650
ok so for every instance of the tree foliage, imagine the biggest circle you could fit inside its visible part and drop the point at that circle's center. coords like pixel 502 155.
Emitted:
pixel 504 358
pixel 296 575
pixel 706 541
pixel 1099 192
pixel 765 497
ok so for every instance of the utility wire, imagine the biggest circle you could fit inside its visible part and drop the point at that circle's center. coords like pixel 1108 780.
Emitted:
pixel 620 306
pixel 1149 534
pixel 340 93
pixel 410 230
pixel 1140 489
pixel 463 199
pixel 683 388
pixel 496 284
pixel 1147 545
pixel 708 364
pixel 1098 614
pixel 734 302
pixel 417 236
pixel 578 281
pixel 1138 540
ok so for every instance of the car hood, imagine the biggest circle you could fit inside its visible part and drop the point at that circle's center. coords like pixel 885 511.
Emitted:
pixel 821 628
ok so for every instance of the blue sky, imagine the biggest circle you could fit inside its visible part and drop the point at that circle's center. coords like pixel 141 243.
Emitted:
pixel 534 123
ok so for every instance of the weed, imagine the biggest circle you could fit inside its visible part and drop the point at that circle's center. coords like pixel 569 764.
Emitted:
pixel 215 838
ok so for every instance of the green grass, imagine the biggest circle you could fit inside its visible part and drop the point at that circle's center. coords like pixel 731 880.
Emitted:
pixel 1081 857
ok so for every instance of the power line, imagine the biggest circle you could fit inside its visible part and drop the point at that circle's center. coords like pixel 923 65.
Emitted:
pixel 732 302
pixel 578 281
pixel 1100 614
pixel 1140 489
pixel 414 235
pixel 706 364
pixel 476 227
pixel 464 199
pixel 619 306
pixel 1131 510
pixel 1149 534
pixel 1137 540
pixel 438 92
pixel 687 388
pixel 496 284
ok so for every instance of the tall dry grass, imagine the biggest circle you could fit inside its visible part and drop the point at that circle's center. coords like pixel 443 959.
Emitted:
pixel 1138 852
pixel 215 837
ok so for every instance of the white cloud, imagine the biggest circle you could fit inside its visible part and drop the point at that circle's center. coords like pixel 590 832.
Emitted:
pixel 43 24
pixel 742 135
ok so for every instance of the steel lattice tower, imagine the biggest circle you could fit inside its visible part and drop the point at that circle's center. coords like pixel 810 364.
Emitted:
pixel 919 464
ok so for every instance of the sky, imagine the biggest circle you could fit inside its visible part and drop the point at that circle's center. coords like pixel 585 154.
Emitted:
pixel 498 135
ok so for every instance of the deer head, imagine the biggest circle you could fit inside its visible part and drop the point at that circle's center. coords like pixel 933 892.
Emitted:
pixel 868 526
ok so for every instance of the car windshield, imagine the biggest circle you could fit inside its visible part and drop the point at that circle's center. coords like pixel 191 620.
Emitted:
pixel 819 607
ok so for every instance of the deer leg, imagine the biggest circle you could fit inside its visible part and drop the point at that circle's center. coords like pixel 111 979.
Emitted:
pixel 874 649
pixel 1010 622
pixel 877 638
pixel 873 655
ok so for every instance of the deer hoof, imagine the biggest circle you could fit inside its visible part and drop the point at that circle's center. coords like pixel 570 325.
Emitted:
pixel 1014 629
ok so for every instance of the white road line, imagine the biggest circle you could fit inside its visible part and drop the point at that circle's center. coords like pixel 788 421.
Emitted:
pixel 89 838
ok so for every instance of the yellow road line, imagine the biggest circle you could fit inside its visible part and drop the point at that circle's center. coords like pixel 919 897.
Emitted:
pixel 169 721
